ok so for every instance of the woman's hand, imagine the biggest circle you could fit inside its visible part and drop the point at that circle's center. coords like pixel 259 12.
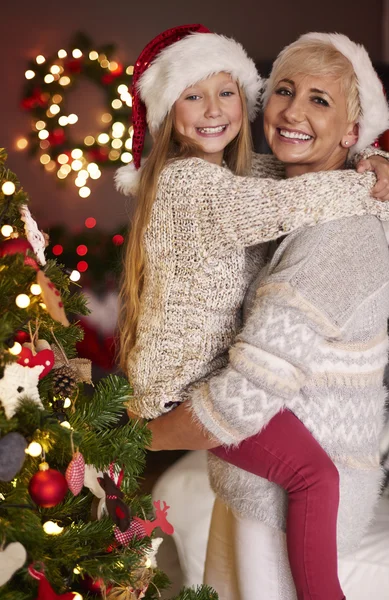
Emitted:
pixel 380 166
pixel 177 430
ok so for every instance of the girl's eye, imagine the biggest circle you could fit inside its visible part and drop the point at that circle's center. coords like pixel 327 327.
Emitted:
pixel 227 93
pixel 282 91
pixel 192 97
pixel 320 100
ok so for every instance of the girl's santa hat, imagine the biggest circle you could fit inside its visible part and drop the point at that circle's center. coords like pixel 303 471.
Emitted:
pixel 374 117
pixel 171 62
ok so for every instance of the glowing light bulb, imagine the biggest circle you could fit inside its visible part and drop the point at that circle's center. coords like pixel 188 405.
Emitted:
pixel 77 570
pixel 103 138
pixel 49 78
pixel 116 143
pixel 62 159
pixel 6 230
pixel 77 596
pixel 92 167
pixel 67 403
pixel 76 165
pixel 40 125
pixel 43 134
pixel 52 528
pixel 65 80
pixel 128 144
pixel 72 119
pixel 130 70
pixel 96 174
pixel 63 121
pixel 57 98
pixel 106 118
pixel 76 153
pixel 89 140
pixel 84 192
pixel 8 188
pixel 126 157
pixel 22 301
pixel 62 53
pixel 45 159
pixel 55 69
pixel 123 88
pixel 34 449
pixel 35 289
pixel 116 104
pixel 16 349
pixel 93 55
pixel 40 59
pixel 75 276
pixel 76 53
pixel 104 63
pixel 29 74
pixel 66 424
pixel 54 109
pixel 22 143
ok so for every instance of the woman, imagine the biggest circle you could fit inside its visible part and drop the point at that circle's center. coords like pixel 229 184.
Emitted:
pixel 315 341
pixel 177 333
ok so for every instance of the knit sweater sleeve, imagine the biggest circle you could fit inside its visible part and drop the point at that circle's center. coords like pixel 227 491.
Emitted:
pixel 236 212
pixel 269 364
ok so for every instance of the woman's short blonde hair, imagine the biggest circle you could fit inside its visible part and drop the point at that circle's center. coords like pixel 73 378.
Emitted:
pixel 316 58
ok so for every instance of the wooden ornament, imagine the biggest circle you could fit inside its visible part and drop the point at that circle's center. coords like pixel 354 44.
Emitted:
pixel 52 299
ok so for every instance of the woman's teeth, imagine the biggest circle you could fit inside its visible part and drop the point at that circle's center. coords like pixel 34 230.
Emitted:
pixel 218 129
pixel 294 135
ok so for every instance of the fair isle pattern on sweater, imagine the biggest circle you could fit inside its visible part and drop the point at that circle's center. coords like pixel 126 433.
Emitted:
pixel 199 263
pixel 315 342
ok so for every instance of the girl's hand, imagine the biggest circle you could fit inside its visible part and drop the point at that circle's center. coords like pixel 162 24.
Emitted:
pixel 380 166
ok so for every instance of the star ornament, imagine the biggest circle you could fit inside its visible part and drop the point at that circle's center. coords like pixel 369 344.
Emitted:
pixel 19 382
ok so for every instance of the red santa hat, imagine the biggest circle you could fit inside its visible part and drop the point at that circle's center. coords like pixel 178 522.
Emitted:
pixel 171 62
pixel 374 117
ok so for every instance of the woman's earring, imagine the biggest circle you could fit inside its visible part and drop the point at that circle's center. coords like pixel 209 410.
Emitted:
pixel 346 143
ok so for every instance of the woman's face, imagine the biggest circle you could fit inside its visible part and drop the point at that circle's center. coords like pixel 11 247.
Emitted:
pixel 210 114
pixel 306 124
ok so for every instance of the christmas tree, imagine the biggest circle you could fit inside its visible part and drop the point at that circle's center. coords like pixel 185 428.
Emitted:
pixel 71 523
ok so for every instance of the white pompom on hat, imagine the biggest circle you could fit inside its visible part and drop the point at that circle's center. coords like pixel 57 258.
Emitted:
pixel 171 62
pixel 374 118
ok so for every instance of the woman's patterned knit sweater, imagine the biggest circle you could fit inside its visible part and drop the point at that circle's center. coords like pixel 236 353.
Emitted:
pixel 201 257
pixel 315 342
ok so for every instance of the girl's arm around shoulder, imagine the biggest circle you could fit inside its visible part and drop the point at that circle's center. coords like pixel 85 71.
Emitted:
pixel 237 212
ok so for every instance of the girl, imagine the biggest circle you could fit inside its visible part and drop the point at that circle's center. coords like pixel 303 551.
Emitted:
pixel 188 267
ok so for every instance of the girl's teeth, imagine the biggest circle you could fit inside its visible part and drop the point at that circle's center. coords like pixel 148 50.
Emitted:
pixel 212 129
pixel 294 135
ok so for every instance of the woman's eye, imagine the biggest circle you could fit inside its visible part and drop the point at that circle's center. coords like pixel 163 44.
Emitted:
pixel 320 100
pixel 283 92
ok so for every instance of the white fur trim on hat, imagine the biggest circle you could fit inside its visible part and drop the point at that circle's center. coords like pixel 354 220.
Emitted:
pixel 195 58
pixel 127 179
pixel 374 118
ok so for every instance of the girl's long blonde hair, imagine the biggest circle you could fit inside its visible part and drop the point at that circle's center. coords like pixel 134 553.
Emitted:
pixel 168 145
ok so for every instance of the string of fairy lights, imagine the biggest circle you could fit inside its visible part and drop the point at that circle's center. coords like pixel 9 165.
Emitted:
pixel 48 82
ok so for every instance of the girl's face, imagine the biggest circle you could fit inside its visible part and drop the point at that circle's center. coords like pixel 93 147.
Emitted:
pixel 306 124
pixel 210 114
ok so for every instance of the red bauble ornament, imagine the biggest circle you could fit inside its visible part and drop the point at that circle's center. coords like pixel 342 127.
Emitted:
pixel 94 586
pixel 45 591
pixel 75 473
pixel 22 337
pixel 18 246
pixel 47 487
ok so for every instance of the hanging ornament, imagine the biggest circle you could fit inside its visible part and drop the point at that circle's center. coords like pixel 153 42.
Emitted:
pixel 19 246
pixel 34 236
pixel 135 529
pixel 91 481
pixel 77 369
pixel 95 586
pixel 64 382
pixel 52 299
pixel 159 521
pixel 117 509
pixel 12 455
pixel 48 487
pixel 75 473
pixel 40 354
pixel 45 591
pixel 12 558
pixel 19 382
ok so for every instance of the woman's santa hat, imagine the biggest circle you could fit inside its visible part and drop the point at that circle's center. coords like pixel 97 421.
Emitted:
pixel 374 117
pixel 172 62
